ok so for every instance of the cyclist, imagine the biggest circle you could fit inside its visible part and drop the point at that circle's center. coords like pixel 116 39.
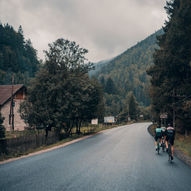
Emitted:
pixel 163 135
pixel 170 132
pixel 158 135
pixel 163 132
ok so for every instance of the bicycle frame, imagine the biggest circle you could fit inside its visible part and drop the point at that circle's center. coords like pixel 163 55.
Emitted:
pixel 163 144
pixel 169 152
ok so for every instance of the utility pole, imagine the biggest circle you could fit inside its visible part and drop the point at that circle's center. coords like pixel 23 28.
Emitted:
pixel 11 115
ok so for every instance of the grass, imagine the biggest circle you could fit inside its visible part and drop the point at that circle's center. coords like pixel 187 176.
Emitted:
pixel 153 127
pixel 73 137
pixel 14 134
pixel 183 143
pixel 85 131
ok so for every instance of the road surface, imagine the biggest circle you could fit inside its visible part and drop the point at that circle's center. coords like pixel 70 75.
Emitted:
pixel 120 159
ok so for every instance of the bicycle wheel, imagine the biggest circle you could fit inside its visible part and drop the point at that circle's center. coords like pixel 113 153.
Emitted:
pixel 158 147
pixel 163 145
pixel 169 152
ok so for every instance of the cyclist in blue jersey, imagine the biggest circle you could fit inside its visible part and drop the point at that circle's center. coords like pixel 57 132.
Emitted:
pixel 158 135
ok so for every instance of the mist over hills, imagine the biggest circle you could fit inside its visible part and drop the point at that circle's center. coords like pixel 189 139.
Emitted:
pixel 98 66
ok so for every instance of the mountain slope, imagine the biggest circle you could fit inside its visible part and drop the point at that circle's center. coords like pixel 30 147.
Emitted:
pixel 98 66
pixel 17 56
pixel 128 70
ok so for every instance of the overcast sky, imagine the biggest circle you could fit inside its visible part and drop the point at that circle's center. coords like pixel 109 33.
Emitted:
pixel 105 27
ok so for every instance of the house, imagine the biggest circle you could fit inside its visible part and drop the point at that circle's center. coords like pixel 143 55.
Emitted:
pixel 19 93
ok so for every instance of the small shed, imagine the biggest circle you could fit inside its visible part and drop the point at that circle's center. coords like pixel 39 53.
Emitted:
pixel 19 93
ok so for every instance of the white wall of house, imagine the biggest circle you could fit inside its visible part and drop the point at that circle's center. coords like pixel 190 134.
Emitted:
pixel 19 124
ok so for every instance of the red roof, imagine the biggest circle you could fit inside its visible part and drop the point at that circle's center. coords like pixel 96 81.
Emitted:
pixel 6 90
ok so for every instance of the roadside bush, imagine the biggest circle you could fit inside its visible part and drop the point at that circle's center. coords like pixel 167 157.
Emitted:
pixel 2 128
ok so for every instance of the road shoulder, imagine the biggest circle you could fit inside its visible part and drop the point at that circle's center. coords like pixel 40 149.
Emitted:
pixel 52 147
pixel 47 149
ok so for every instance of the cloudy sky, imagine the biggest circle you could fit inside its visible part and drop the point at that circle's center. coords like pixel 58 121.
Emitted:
pixel 105 27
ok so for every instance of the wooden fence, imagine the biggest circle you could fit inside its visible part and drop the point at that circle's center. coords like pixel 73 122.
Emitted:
pixel 25 143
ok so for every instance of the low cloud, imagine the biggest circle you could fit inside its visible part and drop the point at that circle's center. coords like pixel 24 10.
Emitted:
pixel 105 27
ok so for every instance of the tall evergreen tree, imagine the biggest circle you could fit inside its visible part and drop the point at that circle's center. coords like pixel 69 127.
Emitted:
pixel 171 72
pixel 132 106
pixel 110 86
pixel 17 56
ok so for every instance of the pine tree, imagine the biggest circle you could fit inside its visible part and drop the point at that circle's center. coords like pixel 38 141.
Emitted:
pixel 110 86
pixel 16 56
pixel 171 72
pixel 132 106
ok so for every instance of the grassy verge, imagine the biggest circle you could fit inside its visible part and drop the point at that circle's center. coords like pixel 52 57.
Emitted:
pixel 183 143
pixel 153 127
pixel 85 131
pixel 16 134
pixel 44 147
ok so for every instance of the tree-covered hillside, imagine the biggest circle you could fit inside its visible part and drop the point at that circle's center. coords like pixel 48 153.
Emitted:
pixel 171 71
pixel 128 72
pixel 17 56
pixel 97 66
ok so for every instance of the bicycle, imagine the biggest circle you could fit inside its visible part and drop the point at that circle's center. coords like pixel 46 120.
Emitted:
pixel 169 152
pixel 158 146
pixel 163 144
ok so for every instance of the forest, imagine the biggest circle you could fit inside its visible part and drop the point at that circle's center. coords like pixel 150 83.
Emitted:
pixel 154 76
pixel 60 94
pixel 18 58
pixel 126 75
pixel 171 72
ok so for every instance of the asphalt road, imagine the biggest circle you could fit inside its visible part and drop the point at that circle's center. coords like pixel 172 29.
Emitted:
pixel 119 159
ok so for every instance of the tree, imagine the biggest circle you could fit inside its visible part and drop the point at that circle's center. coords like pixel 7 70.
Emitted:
pixel 110 86
pixel 171 72
pixel 31 62
pixel 132 106
pixel 130 109
pixel 128 72
pixel 3 142
pixel 62 95
pixel 102 81
pixel 2 128
pixel 88 101
pixel 17 56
